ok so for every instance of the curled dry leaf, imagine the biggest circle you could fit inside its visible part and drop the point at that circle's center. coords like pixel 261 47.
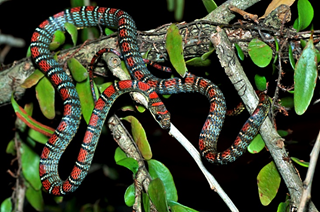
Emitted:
pixel 274 4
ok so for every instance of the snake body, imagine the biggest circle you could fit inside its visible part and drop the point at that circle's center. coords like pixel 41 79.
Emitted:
pixel 127 33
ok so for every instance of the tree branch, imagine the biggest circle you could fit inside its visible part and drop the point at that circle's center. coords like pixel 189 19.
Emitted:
pixel 274 142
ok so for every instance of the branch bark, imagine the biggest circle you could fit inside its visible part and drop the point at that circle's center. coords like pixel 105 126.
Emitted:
pixel 273 141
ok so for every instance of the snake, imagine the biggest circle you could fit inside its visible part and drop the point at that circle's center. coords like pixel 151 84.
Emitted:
pixel 144 82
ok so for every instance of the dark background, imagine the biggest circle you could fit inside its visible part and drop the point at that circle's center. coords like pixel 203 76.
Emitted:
pixel 19 18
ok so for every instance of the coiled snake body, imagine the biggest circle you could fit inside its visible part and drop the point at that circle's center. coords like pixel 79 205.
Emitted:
pixel 127 33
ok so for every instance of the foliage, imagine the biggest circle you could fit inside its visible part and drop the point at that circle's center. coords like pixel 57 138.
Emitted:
pixel 162 191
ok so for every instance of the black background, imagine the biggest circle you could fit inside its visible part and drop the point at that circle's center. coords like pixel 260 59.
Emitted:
pixel 19 18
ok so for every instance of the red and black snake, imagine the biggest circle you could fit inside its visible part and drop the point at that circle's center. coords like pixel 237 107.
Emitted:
pixel 127 34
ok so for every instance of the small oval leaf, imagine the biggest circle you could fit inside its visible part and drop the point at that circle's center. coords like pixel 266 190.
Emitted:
pixel 33 79
pixel 287 102
pixel 119 155
pixel 129 196
pixel 6 205
pixel 108 31
pixel 305 77
pixel 159 170
pixel 86 99
pixel 130 164
pixel 259 52
pixel 198 62
pixel 239 51
pixel 58 39
pixel 256 145
pixel 37 136
pixel 210 5
pixel 175 49
pixel 30 166
pixel 79 73
pixel 261 82
pixel 45 94
pixel 140 137
pixel 73 31
pixel 305 15
pixel 178 10
pixel 34 197
pixel 157 194
pixel 177 207
pixel 268 181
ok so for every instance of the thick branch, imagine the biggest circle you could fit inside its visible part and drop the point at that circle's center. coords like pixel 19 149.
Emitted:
pixel 274 142
pixel 196 42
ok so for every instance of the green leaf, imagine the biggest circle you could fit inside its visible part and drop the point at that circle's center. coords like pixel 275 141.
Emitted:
pixel 175 50
pixel 239 51
pixel 206 55
pixel 119 155
pixel 259 52
pixel 159 170
pixel 108 31
pixel 178 12
pixel 104 86
pixel 77 3
pixel 305 77
pixel 140 137
pixel 86 99
pixel 58 39
pixel 300 162
pixel 45 94
pixel 177 207
pixel 28 120
pixel 146 202
pixel 89 33
pixel 305 15
pixel 170 5
pixel 291 58
pixel 79 73
pixel 73 31
pixel 28 52
pixel 261 82
pixel 268 181
pixel 130 164
pixel 283 133
pixel 283 207
pixel 6 205
pixel 287 102
pixel 129 196
pixel 256 145
pixel 210 5
pixel 198 62
pixel 37 136
pixel 140 108
pixel 33 79
pixel 30 166
pixel 34 197
pixel 277 50
pixel 11 149
pixel 157 194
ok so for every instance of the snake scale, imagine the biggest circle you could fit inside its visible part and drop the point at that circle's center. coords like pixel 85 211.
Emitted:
pixel 144 82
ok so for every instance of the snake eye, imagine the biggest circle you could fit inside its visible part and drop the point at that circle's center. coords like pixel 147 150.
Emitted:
pixel 158 117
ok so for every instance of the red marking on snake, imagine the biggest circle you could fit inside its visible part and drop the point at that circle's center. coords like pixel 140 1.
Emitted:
pixel 82 155
pixel 75 9
pixel 109 91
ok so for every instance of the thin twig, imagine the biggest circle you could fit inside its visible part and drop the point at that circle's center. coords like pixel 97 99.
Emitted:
pixel 177 135
pixel 273 141
pixel 306 194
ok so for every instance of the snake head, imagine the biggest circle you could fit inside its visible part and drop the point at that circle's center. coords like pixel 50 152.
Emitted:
pixel 163 120
pixel 161 115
